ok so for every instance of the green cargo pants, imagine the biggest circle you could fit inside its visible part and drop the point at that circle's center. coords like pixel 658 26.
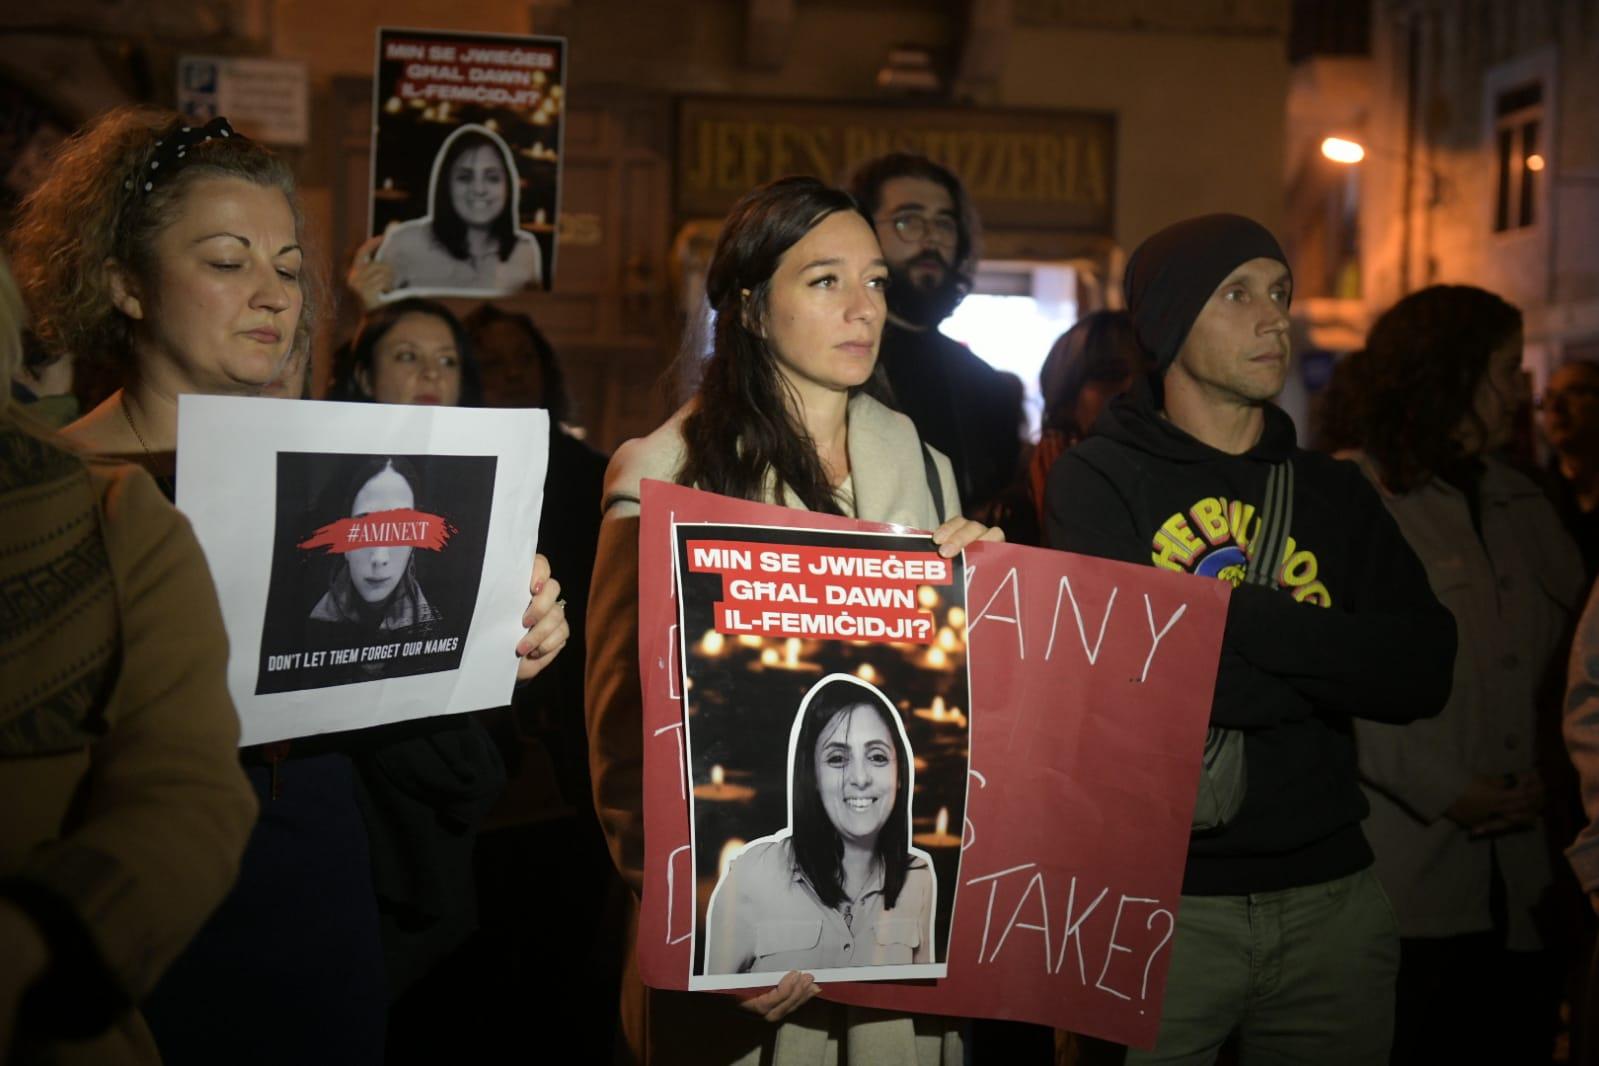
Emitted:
pixel 1303 975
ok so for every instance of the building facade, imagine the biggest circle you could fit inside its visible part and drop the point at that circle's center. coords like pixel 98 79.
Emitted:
pixel 1192 94
pixel 1481 126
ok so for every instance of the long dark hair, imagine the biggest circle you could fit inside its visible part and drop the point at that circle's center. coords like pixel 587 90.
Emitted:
pixel 376 325
pixel 448 226
pixel 1100 346
pixel 744 427
pixel 818 851
pixel 556 399
pixel 1417 379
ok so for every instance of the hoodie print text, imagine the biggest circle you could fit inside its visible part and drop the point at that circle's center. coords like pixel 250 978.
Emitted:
pixel 1213 539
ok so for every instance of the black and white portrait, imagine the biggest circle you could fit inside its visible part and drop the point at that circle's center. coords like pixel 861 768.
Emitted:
pixel 375 568
pixel 840 885
pixel 471 240
pixel 827 775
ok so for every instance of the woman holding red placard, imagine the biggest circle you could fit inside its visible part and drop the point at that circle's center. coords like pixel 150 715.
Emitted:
pixel 786 413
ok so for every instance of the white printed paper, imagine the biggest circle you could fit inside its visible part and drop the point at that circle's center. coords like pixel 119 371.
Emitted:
pixel 372 560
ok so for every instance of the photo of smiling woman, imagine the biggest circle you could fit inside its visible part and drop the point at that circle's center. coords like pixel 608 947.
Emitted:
pixel 470 243
pixel 840 887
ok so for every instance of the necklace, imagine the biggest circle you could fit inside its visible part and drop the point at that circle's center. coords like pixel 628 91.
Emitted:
pixel 167 483
pixel 128 415
pixel 849 915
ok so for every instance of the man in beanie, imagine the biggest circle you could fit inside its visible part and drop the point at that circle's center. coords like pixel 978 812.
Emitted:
pixel 1284 938
pixel 960 404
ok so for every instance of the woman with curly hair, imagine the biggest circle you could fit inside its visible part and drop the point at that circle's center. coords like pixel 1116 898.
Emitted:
pixel 173 254
pixel 1456 801
pixel 122 265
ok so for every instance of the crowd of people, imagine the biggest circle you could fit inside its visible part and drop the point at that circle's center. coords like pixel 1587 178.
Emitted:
pixel 1406 871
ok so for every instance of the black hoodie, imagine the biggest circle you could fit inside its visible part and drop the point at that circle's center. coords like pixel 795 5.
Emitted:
pixel 1353 631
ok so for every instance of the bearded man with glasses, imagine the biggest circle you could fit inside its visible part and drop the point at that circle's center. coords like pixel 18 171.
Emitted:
pixel 961 405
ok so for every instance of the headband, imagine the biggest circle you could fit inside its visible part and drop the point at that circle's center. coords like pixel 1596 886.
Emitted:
pixel 173 147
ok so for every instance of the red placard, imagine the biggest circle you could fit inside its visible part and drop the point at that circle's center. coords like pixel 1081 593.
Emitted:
pixel 1091 687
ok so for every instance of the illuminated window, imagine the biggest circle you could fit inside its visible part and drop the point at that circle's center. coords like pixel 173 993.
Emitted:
pixel 1517 128
pixel 1013 317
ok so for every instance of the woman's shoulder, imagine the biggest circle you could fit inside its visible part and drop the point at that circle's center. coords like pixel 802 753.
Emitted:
pixel 1500 478
pixel 919 879
pixel 890 463
pixel 525 249
pixel 871 414
pixel 408 234
pixel 412 235
pixel 526 263
pixel 659 455
pixel 763 866
pixel 104 431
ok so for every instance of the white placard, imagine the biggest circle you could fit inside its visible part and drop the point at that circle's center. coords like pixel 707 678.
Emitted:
pixel 372 559
pixel 264 99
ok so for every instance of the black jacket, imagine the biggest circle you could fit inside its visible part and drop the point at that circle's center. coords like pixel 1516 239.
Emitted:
pixel 961 406
pixel 1354 630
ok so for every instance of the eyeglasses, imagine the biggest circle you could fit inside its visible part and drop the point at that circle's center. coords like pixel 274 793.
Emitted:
pixel 1568 396
pixel 914 228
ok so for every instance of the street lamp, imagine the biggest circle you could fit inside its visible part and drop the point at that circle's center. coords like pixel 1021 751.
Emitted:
pixel 1342 150
pixel 1348 152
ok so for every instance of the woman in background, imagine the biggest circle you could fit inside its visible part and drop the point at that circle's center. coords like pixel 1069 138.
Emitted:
pixel 1090 364
pixel 1457 801
pixel 784 414
pixel 412 351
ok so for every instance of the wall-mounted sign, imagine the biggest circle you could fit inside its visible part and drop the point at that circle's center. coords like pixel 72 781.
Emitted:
pixel 265 99
pixel 1023 169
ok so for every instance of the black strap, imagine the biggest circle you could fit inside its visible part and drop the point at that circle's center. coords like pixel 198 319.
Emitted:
pixel 1271 531
pixel 933 484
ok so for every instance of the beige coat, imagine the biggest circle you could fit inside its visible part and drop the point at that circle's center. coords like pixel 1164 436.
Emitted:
pixel 1581 728
pixel 890 485
pixel 1513 593
pixel 126 809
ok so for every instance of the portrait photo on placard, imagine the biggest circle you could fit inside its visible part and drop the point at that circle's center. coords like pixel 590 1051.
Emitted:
pixel 376 563
pixel 466 161
pixel 826 703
